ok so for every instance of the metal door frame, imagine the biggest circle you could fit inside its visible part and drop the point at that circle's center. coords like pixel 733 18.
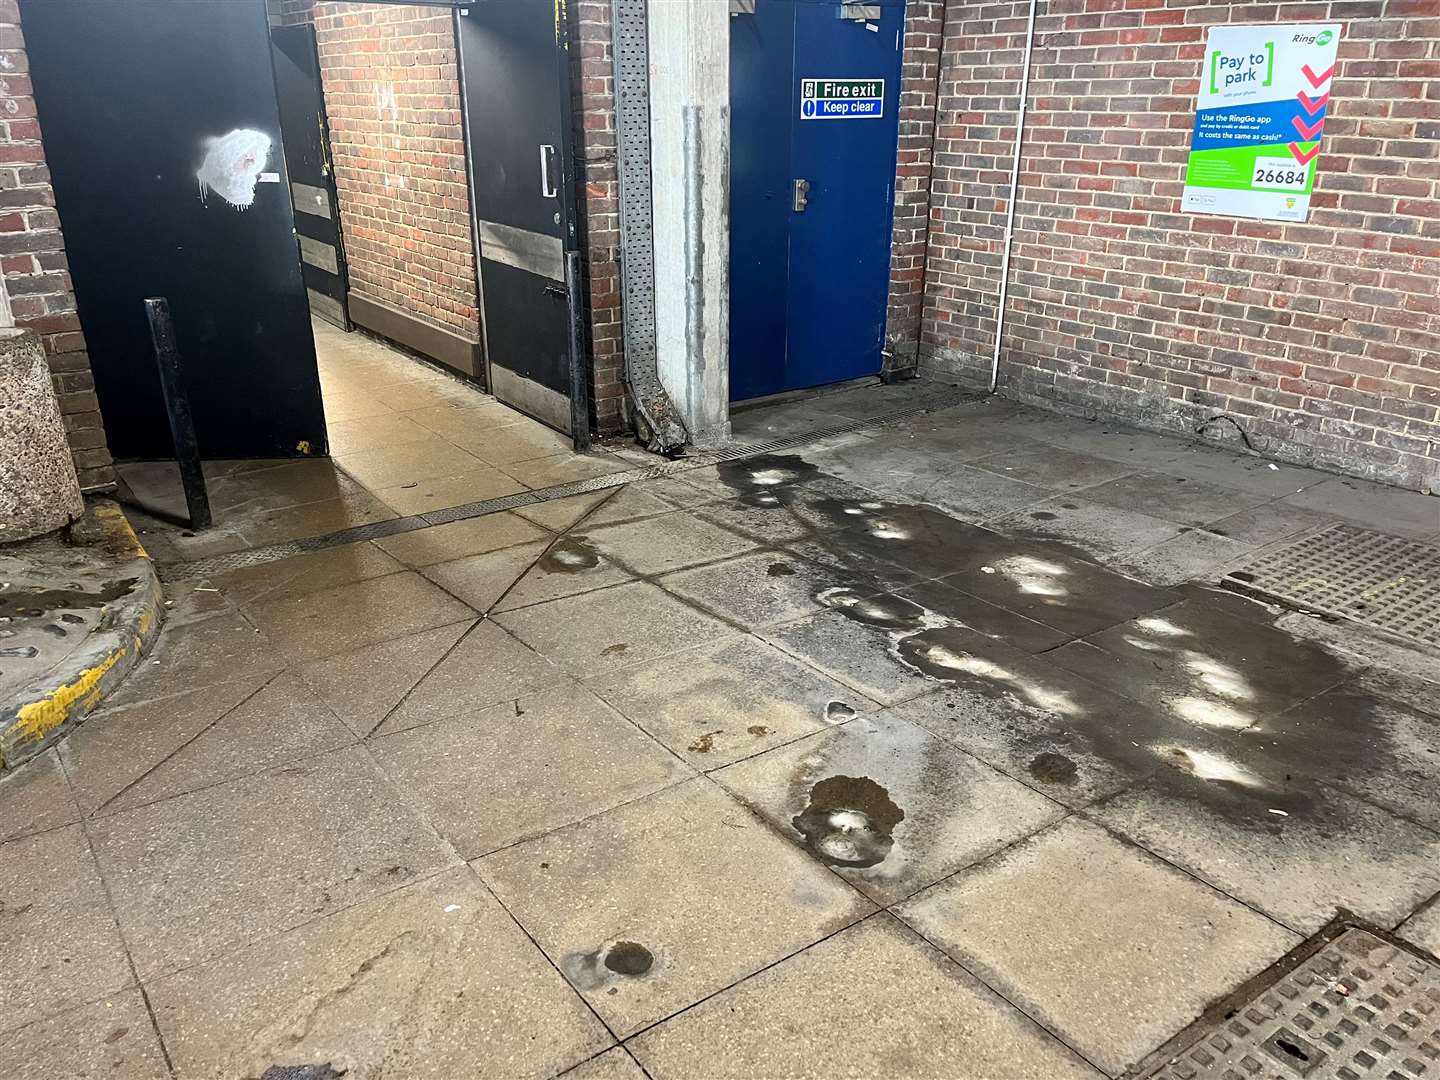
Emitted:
pixel 571 190
pixel 342 263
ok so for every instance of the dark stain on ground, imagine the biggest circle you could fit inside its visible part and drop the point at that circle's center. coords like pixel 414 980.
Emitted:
pixel 1044 515
pixel 887 610
pixel 758 730
pixel 705 743
pixel 1052 768
pixel 569 555
pixel 42 601
pixel 628 958
pixel 20 652
pixel 837 712
pixel 765 473
pixel 54 630
pixel 302 1072
pixel 849 821
pixel 614 650
pixel 780 569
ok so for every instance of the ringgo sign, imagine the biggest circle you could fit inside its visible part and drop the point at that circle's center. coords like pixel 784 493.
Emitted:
pixel 1264 93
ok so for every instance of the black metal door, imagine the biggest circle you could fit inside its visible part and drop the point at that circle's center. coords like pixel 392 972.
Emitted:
pixel 515 79
pixel 306 138
pixel 163 139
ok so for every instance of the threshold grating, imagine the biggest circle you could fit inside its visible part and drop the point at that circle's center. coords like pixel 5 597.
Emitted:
pixel 1369 577
pixel 1358 1007
pixel 239 560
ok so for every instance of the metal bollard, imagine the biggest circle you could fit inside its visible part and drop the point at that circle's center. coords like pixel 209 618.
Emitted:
pixel 177 406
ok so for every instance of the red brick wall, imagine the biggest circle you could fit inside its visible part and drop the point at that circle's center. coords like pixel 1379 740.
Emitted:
pixel 593 83
pixel 32 255
pixel 919 72
pixel 392 95
pixel 289 12
pixel 1322 339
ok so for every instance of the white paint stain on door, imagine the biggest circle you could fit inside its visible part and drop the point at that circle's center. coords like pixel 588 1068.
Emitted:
pixel 232 166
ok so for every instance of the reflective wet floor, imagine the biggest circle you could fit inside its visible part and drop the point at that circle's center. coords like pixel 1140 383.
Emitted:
pixel 928 751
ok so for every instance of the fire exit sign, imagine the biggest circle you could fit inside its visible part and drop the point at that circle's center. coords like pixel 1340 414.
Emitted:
pixel 842 99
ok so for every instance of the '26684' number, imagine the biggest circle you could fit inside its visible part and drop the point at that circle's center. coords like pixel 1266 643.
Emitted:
pixel 1272 174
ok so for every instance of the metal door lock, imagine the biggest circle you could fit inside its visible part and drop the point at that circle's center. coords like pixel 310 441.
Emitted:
pixel 801 196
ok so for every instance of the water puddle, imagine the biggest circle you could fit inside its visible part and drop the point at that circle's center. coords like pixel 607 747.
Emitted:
pixel 849 821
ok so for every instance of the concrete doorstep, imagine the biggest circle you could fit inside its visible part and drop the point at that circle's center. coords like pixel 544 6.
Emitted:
pixel 78 613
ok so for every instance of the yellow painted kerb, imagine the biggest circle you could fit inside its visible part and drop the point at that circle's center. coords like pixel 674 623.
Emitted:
pixel 39 717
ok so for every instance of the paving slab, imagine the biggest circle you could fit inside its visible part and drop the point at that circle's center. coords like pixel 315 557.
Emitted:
pixel 1404 513
pixel 667 543
pixel 1423 928
pixel 629 503
pixel 455 489
pixel 569 566
pixel 35 798
pixel 729 701
pixel 487 666
pixel 1204 665
pixel 1322 851
pixel 974 495
pixel 1044 725
pixel 942 600
pixel 1052 467
pixel 410 463
pixel 1174 498
pixel 482 580
pixel 308 519
pixel 457 539
pixel 279 724
pixel 889 806
pixel 657 904
pixel 60 947
pixel 121 744
pixel 518 769
pixel 198 654
pixel 205 873
pixel 523 440
pixel 760 589
pixel 1249 473
pixel 1194 554
pixel 362 686
pixel 1110 949
pixel 774 519
pixel 1269 523
pixel 874 1000
pixel 852 653
pixel 112 1037
pixel 598 632
pixel 292 484
pixel 430 981
pixel 614 1064
pixel 557 515
pixel 562 469
pixel 348 616
pixel 1098 530
pixel 306 573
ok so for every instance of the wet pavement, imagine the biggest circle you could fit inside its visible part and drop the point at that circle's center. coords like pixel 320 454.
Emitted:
pixel 928 751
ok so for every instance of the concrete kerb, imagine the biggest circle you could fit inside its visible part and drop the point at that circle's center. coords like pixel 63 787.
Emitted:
pixel 42 711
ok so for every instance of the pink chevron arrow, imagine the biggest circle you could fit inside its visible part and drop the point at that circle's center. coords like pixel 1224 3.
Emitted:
pixel 1302 156
pixel 1313 105
pixel 1316 80
pixel 1308 131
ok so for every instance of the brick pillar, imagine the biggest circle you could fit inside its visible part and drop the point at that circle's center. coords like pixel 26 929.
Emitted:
pixel 918 83
pixel 32 257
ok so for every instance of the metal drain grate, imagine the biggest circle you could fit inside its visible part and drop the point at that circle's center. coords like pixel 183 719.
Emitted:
pixel 1359 1007
pixel 218 564
pixel 1370 577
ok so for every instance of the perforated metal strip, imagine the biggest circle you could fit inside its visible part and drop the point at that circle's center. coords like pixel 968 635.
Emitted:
pixel 630 50
pixel 219 564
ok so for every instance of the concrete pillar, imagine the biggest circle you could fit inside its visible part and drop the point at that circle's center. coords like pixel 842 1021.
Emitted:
pixel 689 44
pixel 38 489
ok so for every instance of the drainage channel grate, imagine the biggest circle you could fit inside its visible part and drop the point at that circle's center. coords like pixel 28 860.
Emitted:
pixel 1359 1007
pixel 1370 577
pixel 239 560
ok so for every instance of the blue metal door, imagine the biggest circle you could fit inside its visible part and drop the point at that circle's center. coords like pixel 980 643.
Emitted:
pixel 813 123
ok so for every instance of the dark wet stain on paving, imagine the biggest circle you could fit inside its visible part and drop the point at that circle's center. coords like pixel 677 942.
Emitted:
pixel 758 730
pixel 1112 690
pixel 569 555
pixel 614 650
pixel 1052 768
pixel 705 743
pixel 37 603
pixel 837 712
pixel 628 958
pixel 849 821
pixel 780 569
